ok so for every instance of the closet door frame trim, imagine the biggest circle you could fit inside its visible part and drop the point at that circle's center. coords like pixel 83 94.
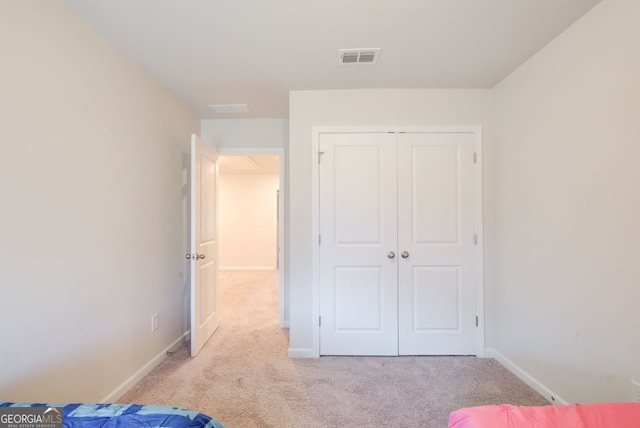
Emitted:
pixel 315 217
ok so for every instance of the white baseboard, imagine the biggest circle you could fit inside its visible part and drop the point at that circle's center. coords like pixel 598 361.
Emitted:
pixel 302 353
pixel 137 376
pixel 539 387
pixel 269 268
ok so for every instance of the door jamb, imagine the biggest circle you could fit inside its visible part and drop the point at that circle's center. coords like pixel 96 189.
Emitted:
pixel 315 219
pixel 283 321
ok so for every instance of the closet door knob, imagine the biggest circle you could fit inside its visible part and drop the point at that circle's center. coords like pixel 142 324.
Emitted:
pixel 391 254
pixel 404 254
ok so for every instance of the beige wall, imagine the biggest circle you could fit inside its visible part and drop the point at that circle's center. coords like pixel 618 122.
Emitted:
pixel 566 271
pixel 246 133
pixel 248 221
pixel 374 107
pixel 92 226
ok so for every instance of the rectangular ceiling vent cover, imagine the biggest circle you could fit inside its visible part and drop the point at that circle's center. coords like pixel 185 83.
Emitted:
pixel 359 56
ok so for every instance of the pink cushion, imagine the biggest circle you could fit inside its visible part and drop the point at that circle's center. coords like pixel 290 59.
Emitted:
pixel 605 415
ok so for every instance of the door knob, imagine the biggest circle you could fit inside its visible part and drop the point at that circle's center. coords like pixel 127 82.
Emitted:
pixel 404 254
pixel 190 256
pixel 391 254
pixel 200 256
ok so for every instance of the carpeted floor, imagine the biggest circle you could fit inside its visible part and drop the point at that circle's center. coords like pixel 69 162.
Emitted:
pixel 243 377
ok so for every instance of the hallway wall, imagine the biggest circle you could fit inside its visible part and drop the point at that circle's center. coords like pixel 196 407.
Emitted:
pixel 248 221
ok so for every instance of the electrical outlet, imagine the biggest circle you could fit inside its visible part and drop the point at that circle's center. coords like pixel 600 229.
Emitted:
pixel 635 391
pixel 155 322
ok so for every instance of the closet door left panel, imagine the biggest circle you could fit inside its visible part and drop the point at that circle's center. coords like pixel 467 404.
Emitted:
pixel 358 240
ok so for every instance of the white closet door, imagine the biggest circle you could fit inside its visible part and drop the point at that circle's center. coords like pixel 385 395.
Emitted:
pixel 436 244
pixel 358 265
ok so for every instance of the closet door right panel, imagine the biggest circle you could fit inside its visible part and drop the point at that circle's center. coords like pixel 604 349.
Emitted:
pixel 436 217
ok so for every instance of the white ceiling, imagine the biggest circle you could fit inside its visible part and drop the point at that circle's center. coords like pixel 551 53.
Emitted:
pixel 249 164
pixel 255 51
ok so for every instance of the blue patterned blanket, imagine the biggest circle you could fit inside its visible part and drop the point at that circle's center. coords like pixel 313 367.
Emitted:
pixel 125 415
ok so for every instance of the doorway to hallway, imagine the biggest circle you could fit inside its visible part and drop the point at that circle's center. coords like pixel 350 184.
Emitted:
pixel 250 216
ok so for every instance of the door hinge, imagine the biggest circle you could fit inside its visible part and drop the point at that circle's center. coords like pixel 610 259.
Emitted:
pixel 476 320
pixel 319 321
pixel 320 155
pixel 475 157
pixel 475 239
pixel 319 239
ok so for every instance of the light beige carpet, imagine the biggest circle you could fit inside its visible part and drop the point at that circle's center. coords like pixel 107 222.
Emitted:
pixel 243 377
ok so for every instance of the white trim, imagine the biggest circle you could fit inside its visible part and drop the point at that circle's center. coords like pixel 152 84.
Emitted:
pixel 143 371
pixel 282 223
pixel 276 220
pixel 262 268
pixel 302 353
pixel 399 128
pixel 538 386
pixel 315 231
pixel 479 254
pixel 281 152
pixel 315 221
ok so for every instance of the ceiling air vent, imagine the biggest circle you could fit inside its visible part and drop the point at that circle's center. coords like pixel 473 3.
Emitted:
pixel 359 56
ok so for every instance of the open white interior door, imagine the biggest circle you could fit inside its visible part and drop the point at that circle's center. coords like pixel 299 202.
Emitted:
pixel 204 243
